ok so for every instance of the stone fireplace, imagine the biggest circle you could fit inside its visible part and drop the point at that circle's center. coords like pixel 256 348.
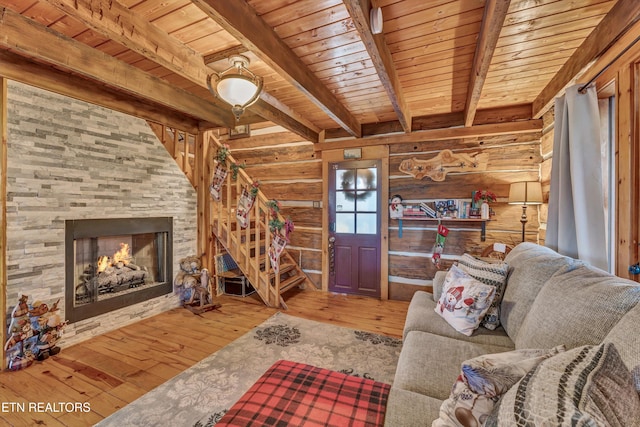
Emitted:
pixel 70 160
pixel 115 263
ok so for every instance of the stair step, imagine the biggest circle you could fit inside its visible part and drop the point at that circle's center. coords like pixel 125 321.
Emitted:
pixel 290 283
pixel 284 268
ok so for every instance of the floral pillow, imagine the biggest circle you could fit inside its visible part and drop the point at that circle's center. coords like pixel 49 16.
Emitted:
pixel 483 380
pixel 464 301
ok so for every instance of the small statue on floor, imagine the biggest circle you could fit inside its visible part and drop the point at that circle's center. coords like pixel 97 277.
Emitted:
pixel 192 284
pixel 34 332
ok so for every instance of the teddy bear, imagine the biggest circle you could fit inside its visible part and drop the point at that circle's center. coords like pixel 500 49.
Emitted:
pixel 187 280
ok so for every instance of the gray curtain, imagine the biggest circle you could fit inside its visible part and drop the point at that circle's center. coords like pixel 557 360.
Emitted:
pixel 576 224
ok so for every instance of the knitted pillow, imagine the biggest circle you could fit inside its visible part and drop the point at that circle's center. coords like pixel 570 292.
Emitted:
pixel 483 380
pixel 464 301
pixel 490 273
pixel 583 386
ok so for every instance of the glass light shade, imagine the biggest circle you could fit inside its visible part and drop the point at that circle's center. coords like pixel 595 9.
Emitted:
pixel 237 85
pixel 525 193
pixel 236 90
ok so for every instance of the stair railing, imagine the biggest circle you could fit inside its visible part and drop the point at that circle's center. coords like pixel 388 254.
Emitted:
pixel 241 242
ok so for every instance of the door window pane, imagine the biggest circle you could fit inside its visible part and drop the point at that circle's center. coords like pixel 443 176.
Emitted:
pixel 344 202
pixel 345 223
pixel 367 179
pixel 367 223
pixel 369 203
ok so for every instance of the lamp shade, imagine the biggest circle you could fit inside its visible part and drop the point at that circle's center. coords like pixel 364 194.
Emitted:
pixel 236 89
pixel 525 193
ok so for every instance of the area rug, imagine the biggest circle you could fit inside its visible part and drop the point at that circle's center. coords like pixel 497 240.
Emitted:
pixel 201 395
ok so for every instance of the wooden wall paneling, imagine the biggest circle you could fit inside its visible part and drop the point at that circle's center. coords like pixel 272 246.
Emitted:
pixel 464 184
pixel 3 211
pixel 624 148
pixel 305 216
pixel 283 153
pixel 290 171
pixel 294 190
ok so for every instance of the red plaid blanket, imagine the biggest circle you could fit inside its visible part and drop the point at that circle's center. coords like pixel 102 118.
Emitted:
pixel 295 394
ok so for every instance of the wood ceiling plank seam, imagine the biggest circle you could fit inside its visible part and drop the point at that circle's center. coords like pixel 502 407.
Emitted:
pixel 180 18
pixel 403 8
pixel 293 11
pixel 417 39
pixel 580 34
pixel 568 45
pixel 551 8
pixel 322 33
pixel 452 14
pixel 552 20
pixel 426 59
pixel 314 44
pixel 550 32
pixel 436 48
pixel 340 61
pixel 334 13
pixel 532 61
pixel 158 10
pixel 331 54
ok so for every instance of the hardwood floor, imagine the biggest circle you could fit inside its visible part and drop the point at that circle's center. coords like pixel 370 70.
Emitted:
pixel 111 370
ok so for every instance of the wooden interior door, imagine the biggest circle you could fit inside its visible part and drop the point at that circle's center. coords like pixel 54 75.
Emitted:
pixel 354 227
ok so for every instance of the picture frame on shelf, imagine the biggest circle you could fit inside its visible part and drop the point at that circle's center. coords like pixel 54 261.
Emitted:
pixel 240 131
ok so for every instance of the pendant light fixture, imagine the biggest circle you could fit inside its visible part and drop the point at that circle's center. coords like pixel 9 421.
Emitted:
pixel 237 85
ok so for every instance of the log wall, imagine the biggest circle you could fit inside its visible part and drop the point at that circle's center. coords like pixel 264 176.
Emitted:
pixel 290 170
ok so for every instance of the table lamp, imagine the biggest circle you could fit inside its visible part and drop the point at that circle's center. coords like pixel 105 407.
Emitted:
pixel 525 193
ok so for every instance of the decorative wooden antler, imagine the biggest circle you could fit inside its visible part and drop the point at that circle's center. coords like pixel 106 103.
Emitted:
pixel 446 161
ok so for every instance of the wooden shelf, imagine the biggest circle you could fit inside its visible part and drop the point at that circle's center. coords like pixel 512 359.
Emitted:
pixel 483 222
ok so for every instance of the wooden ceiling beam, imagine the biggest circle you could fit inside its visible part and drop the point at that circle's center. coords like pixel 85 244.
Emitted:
pixel 239 19
pixel 381 57
pixel 120 24
pixel 485 116
pixel 620 18
pixel 21 69
pixel 224 54
pixel 495 12
pixel 27 37
pixel 435 134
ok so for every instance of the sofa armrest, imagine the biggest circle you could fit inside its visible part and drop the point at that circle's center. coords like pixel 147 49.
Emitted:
pixel 438 281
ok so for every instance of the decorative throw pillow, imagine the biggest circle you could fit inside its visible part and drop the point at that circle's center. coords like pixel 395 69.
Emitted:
pixel 584 386
pixel 464 301
pixel 483 380
pixel 489 273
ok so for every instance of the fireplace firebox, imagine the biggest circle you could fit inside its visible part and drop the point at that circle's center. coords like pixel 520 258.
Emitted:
pixel 114 263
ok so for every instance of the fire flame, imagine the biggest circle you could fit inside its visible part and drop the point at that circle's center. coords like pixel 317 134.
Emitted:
pixel 122 255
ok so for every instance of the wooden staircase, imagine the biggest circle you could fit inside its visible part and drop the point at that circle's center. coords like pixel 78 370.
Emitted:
pixel 249 247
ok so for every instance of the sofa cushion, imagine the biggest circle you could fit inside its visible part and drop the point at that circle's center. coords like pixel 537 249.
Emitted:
pixel 584 386
pixel 626 338
pixel 483 380
pixel 422 317
pixel 429 364
pixel 464 301
pixel 530 267
pixel 489 273
pixel 408 409
pixel 577 307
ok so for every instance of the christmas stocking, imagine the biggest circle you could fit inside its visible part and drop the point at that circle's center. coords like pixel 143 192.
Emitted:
pixel 277 246
pixel 438 248
pixel 218 179
pixel 245 203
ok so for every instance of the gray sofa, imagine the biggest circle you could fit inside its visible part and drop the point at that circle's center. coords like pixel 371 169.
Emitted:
pixel 549 300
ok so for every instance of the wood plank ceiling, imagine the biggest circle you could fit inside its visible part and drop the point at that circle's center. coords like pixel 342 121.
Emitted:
pixel 438 63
